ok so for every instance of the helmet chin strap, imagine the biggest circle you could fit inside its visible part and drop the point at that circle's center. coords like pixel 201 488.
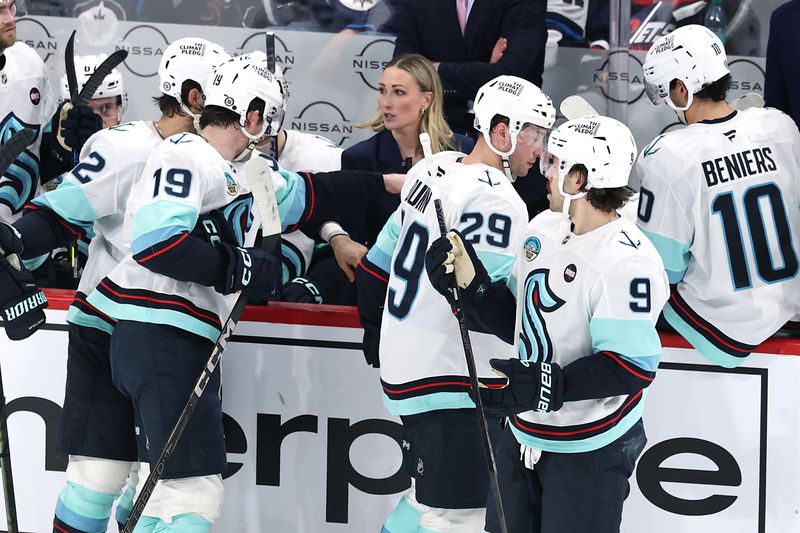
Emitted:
pixel 503 155
pixel 565 225
pixel 253 140
pixel 681 111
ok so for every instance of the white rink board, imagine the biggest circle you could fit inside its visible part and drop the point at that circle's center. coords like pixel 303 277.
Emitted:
pixel 744 422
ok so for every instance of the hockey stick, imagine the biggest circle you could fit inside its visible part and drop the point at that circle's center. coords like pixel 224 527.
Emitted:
pixel 69 66
pixel 488 452
pixel 270 50
pixel 14 146
pixel 9 152
pixel 259 178
pixel 746 101
pixel 575 106
pixel 100 74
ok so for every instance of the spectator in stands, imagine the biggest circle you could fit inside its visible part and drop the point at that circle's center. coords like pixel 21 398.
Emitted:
pixel 782 81
pixel 461 37
pixel 409 103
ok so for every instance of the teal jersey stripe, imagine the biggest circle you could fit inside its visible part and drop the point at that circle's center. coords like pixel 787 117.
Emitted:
pixel 70 203
pixel 634 339
pixel 79 318
pixel 674 254
pixel 706 349
pixel 511 283
pixel 497 265
pixel 161 214
pixel 143 242
pixel 428 402
pixel 291 198
pixel 387 238
pixel 167 317
pixel 586 445
pixel 379 258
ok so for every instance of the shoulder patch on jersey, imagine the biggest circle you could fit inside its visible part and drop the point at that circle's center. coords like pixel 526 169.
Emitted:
pixel 233 188
pixel 532 248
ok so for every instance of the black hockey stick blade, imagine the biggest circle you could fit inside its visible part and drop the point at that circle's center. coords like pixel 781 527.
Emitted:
pixel 69 66
pixel 270 51
pixel 14 146
pixel 99 75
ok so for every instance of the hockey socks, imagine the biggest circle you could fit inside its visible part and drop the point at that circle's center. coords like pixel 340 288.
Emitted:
pixel 184 523
pixel 404 518
pixel 82 510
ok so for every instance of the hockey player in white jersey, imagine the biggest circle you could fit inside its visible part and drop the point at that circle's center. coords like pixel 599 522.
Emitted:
pixel 719 200
pixel 410 331
pixel 97 424
pixel 110 99
pixel 26 101
pixel 588 288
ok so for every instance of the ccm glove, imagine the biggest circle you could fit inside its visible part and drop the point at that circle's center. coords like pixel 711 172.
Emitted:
pixel 75 124
pixel 252 270
pixel 21 302
pixel 450 254
pixel 531 387
pixel 10 240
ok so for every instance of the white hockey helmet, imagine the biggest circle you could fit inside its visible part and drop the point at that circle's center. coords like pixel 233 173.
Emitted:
pixel 692 54
pixel 190 58
pixel 237 83
pixel 258 55
pixel 113 84
pixel 519 100
pixel 603 145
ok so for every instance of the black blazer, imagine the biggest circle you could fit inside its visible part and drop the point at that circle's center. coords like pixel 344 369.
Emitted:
pixel 430 28
pixel 782 82
pixel 380 153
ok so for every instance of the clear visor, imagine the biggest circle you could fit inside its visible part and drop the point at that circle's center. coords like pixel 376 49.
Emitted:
pixel 547 160
pixel 532 135
pixel 654 93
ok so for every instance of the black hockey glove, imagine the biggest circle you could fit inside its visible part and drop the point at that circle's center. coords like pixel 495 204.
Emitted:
pixel 531 387
pixel 10 240
pixel 214 228
pixel 450 254
pixel 301 290
pixel 77 125
pixel 21 302
pixel 252 270
pixel 70 127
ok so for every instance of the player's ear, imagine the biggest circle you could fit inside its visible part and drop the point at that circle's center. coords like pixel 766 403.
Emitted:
pixel 502 136
pixel 196 99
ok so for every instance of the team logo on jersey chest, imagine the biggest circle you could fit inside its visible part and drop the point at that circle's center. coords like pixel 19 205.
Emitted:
pixel 532 248
pixel 35 96
pixel 233 189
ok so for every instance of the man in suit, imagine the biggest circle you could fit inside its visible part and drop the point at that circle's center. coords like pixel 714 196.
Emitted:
pixel 782 81
pixel 462 36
